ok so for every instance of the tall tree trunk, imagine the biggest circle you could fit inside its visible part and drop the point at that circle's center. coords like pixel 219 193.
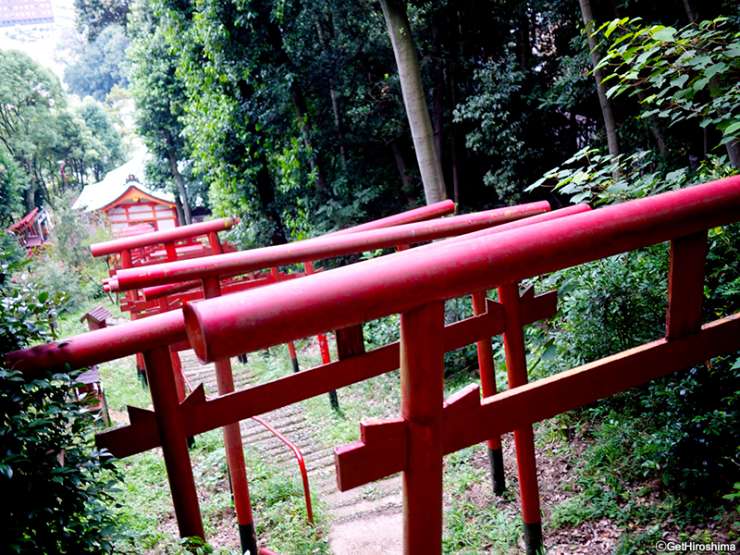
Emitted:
pixel 606 108
pixel 178 207
pixel 733 151
pixel 334 98
pixel 406 185
pixel 414 99
pixel 180 182
pixel 658 136
pixel 690 13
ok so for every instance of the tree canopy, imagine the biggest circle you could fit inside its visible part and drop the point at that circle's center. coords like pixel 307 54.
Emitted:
pixel 49 146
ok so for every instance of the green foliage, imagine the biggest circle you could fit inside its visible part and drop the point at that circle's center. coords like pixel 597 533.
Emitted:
pixel 498 124
pixel 106 149
pixel 55 487
pixel 30 99
pixel 682 74
pixel 11 190
pixel 589 176
pixel 674 429
pixel 93 16
pixel 25 312
pixel 100 64
pixel 38 131
pixel 611 305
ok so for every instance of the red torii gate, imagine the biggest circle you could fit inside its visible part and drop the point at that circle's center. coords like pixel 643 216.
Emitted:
pixel 158 330
pixel 414 283
pixel 211 270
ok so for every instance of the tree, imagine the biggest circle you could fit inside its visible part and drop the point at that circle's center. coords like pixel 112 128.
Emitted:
pixel 100 64
pixel 43 136
pixel 159 95
pixel 93 15
pixel 680 75
pixel 30 100
pixel 606 108
pixel 107 151
pixel 11 187
pixel 414 99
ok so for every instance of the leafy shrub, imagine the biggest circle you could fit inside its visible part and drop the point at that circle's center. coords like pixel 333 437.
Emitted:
pixel 677 428
pixel 678 74
pixel 611 305
pixel 588 176
pixel 53 484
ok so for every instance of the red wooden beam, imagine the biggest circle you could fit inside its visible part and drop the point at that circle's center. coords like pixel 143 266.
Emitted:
pixel 686 284
pixel 395 283
pixel 422 395
pixel 420 214
pixel 161 237
pixel 468 420
pixel 202 415
pixel 516 371
pixel 317 248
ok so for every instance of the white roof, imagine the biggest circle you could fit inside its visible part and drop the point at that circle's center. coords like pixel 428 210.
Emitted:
pixel 114 184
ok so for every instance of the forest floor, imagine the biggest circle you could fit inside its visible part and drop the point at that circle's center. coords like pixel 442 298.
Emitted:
pixel 579 516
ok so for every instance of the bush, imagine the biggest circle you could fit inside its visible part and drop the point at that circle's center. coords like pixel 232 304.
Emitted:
pixel 54 486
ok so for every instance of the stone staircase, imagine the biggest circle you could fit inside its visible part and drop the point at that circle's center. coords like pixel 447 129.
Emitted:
pixel 363 521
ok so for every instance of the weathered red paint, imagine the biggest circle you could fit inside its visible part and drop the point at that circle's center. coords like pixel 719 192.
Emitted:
pixel 203 415
pixel 420 214
pixel 395 283
pixel 487 374
pixel 516 371
pixel 415 283
pixel 173 440
pixel 422 394
pixel 318 248
pixel 686 284
pixel 232 433
pixel 161 237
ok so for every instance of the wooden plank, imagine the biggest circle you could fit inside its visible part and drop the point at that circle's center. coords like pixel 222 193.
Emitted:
pixel 686 284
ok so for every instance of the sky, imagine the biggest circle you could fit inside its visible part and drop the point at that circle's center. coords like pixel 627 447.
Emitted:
pixel 49 44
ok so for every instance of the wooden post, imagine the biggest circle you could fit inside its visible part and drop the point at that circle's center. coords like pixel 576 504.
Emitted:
pixel 488 387
pixel 215 243
pixel 174 442
pixel 516 369
pixel 171 251
pixel 422 396
pixel 323 347
pixel 233 445
pixel 686 285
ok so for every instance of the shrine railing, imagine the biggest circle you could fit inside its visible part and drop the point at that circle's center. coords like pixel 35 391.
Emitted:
pixel 415 284
pixel 164 333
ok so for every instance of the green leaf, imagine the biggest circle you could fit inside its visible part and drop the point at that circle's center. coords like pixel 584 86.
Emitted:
pixel 679 81
pixel 732 129
pixel 699 84
pixel 611 26
pixel 714 69
pixel 665 34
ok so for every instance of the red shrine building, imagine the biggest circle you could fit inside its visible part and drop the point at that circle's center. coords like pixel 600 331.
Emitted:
pixel 126 205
